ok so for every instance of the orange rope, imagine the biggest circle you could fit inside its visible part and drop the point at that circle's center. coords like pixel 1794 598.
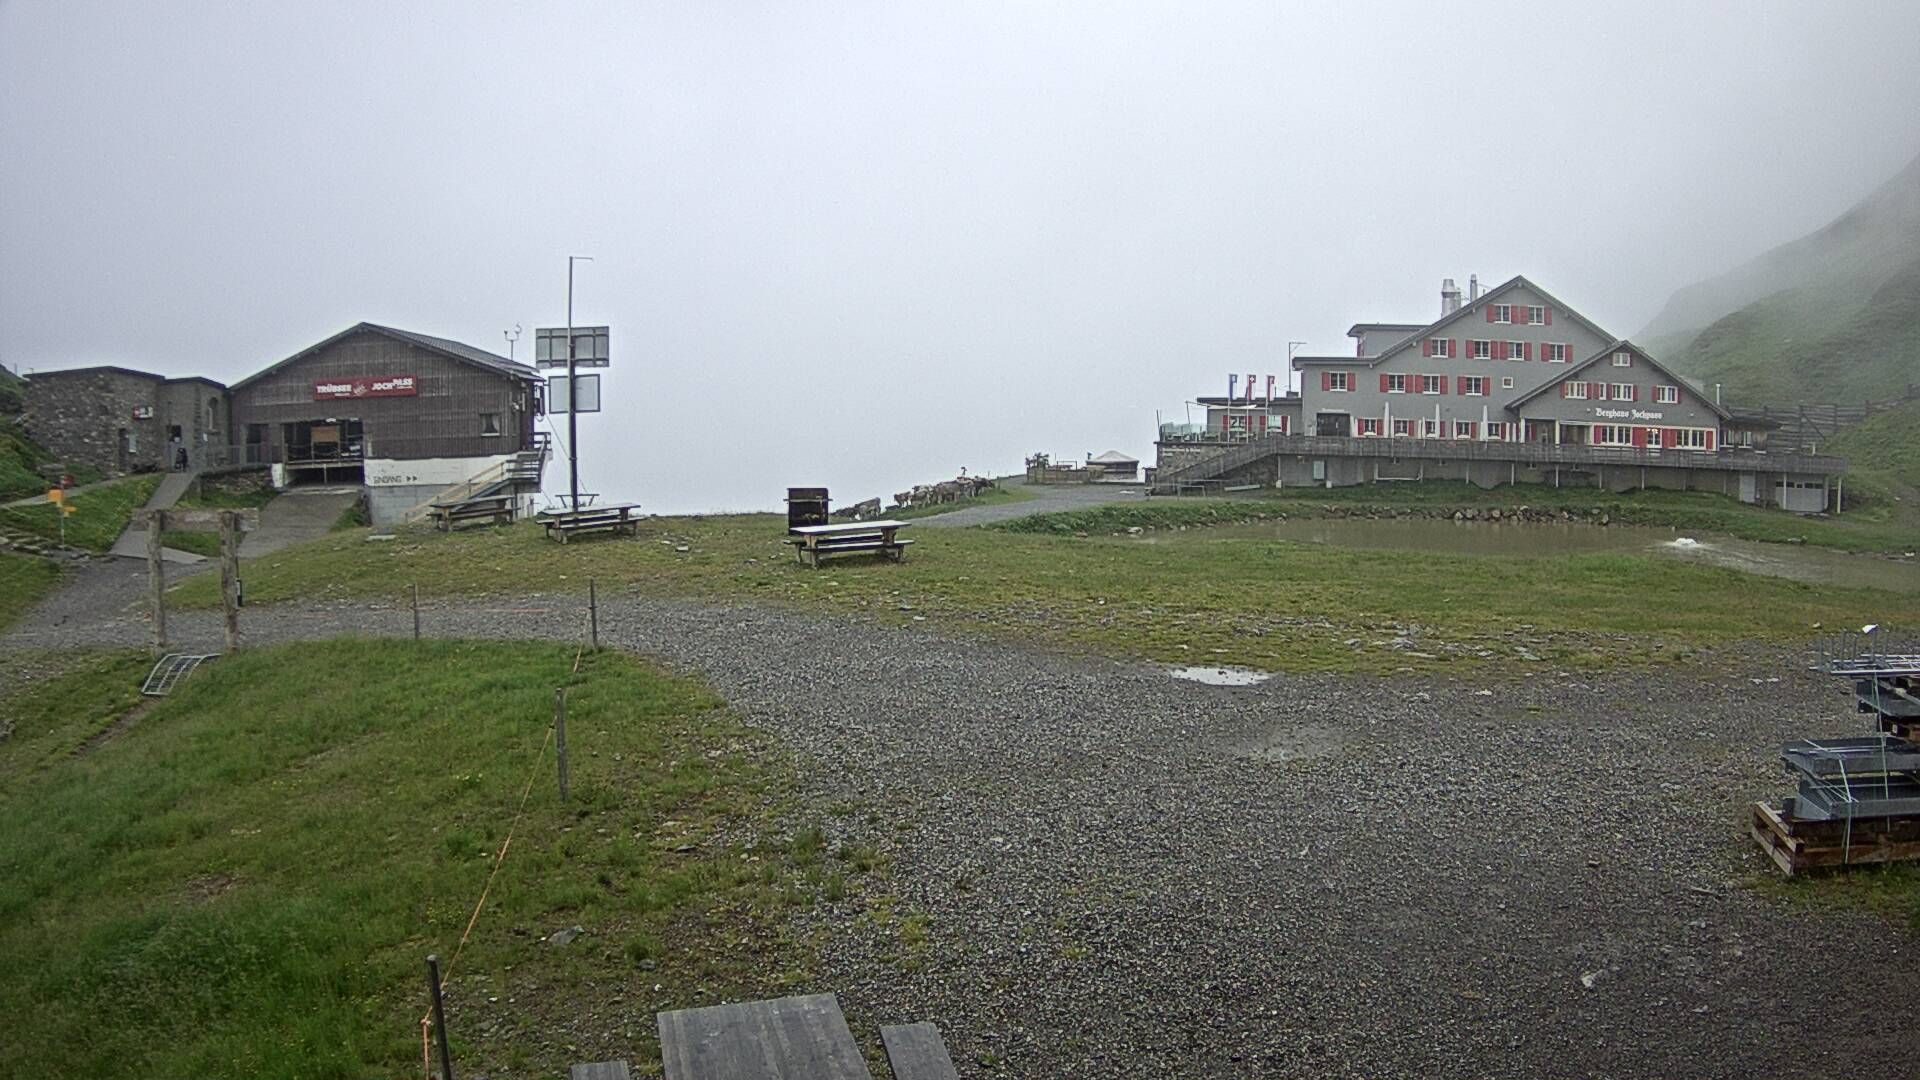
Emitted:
pixel 499 860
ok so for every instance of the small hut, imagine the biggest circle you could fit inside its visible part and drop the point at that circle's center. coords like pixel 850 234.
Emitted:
pixel 1114 467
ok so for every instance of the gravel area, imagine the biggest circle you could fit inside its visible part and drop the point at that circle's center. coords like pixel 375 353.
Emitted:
pixel 1128 875
pixel 1048 499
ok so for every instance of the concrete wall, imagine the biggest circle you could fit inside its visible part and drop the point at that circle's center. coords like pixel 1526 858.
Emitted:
pixel 198 408
pixel 92 417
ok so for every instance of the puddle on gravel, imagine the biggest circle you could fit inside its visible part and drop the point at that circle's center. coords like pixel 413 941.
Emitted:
pixel 1295 744
pixel 1221 676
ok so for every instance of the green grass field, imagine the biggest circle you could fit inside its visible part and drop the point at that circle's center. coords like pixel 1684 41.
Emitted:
pixel 1196 595
pixel 100 514
pixel 24 579
pixel 244 879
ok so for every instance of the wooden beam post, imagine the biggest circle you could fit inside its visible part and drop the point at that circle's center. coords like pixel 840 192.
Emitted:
pixel 230 576
pixel 560 736
pixel 593 616
pixel 416 611
pixel 157 579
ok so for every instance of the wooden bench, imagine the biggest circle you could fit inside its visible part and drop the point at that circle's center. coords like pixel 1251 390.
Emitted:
pixel 811 542
pixel 563 524
pixel 916 1052
pixel 494 509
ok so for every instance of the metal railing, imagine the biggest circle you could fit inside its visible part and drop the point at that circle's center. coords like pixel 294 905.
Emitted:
pixel 1239 453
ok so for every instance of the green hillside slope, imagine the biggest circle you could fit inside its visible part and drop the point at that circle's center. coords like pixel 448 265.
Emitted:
pixel 1832 316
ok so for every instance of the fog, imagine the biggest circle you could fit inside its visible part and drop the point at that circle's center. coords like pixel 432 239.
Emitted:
pixel 863 245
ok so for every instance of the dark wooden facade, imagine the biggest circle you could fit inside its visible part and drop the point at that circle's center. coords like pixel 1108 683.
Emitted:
pixel 463 403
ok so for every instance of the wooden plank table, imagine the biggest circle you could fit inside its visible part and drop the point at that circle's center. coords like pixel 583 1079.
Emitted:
pixel 810 542
pixel 794 1038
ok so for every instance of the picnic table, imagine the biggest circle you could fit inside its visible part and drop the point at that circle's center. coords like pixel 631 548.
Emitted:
pixel 494 509
pixel 792 1038
pixel 810 542
pixel 615 518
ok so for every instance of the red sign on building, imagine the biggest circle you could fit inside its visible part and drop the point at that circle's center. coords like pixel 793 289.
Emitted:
pixel 360 386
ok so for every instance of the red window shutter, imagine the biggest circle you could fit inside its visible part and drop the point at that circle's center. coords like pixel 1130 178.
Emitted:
pixel 1549 314
pixel 1453 348
pixel 1326 380
pixel 1563 389
pixel 1710 440
pixel 1443 384
pixel 1669 437
pixel 1426 346
pixel 1383 382
pixel 1597 390
pixel 1633 393
pixel 1640 437
pixel 1528 354
pixel 1498 350
pixel 1489 312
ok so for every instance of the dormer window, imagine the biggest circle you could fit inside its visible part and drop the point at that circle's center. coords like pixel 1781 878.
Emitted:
pixel 1623 359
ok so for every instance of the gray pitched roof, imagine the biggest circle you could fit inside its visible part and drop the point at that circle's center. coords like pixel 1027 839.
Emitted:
pixel 93 368
pixel 455 350
pixel 1617 345
pixel 1488 297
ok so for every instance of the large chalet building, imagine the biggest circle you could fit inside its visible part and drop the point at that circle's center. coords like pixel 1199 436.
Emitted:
pixel 1506 385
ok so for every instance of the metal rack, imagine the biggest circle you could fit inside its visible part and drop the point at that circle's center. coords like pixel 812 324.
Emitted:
pixel 170 669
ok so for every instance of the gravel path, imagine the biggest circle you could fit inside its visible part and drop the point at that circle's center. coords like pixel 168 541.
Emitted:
pixel 1048 498
pixel 1126 875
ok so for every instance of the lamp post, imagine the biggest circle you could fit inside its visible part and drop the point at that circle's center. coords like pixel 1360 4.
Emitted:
pixel 573 397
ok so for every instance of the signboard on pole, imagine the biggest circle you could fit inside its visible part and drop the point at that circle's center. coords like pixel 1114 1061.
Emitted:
pixel 589 346
pixel 560 397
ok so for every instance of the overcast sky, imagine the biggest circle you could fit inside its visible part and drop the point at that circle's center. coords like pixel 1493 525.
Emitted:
pixel 866 244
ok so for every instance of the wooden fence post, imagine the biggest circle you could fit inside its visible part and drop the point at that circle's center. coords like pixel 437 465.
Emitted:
pixel 560 736
pixel 416 611
pixel 439 1017
pixel 593 616
pixel 157 578
pixel 230 576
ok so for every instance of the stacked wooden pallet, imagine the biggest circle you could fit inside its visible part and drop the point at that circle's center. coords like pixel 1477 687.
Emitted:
pixel 1801 845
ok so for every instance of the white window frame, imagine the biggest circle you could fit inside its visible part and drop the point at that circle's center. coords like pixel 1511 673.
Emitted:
pixel 1506 382
pixel 1666 395
pixel 1620 391
pixel 1429 429
pixel 1401 389
pixel 1536 315
pixel 1690 438
pixel 1488 433
pixel 1476 386
pixel 1340 382
pixel 1503 313
pixel 1402 429
pixel 1516 350
pixel 1437 346
pixel 1619 435
pixel 1623 358
pixel 1439 383
pixel 1466 429
pixel 1360 424
pixel 1576 391
pixel 1479 349
pixel 1555 351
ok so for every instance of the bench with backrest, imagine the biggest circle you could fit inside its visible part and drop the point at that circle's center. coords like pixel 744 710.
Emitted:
pixel 493 509
pixel 811 543
pixel 562 525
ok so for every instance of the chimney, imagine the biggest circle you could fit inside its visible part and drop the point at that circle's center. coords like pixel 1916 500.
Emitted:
pixel 1473 288
pixel 1449 297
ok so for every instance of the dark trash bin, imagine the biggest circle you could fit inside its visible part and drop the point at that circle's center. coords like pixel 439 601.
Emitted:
pixel 806 506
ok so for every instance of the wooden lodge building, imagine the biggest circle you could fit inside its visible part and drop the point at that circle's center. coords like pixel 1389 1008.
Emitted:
pixel 1506 386
pixel 405 415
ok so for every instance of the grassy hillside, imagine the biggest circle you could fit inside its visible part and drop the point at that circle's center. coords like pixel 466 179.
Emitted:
pixel 1887 444
pixel 24 579
pixel 19 458
pixel 1832 316
pixel 100 513
pixel 244 879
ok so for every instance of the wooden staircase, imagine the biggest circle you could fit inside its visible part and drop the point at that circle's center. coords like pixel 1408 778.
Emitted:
pixel 1211 469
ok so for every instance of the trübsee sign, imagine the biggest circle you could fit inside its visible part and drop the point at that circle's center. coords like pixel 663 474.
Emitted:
pixel 367 386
